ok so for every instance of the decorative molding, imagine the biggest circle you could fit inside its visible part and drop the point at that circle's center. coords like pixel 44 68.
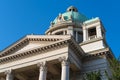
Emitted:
pixel 59 26
pixel 63 24
pixel 90 41
pixel 8 71
pixel 64 61
pixel 97 54
pixel 40 50
pixel 91 21
pixel 59 44
pixel 43 66
pixel 76 48
pixel 62 58
pixel 75 59
pixel 101 53
pixel 23 41
pixel 98 51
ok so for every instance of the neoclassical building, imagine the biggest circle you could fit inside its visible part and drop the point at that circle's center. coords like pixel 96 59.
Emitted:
pixel 72 46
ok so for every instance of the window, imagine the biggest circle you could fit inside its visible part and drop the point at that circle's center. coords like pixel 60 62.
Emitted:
pixel 80 36
pixel 92 33
pixel 73 9
pixel 60 17
pixel 59 33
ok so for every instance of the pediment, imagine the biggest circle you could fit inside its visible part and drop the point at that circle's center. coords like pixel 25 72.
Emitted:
pixel 31 42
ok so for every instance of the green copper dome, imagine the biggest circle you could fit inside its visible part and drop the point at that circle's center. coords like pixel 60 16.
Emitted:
pixel 72 14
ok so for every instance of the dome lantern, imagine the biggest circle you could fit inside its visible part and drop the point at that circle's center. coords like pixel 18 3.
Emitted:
pixel 72 8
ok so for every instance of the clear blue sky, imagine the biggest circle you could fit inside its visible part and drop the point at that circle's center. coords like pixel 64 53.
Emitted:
pixel 21 17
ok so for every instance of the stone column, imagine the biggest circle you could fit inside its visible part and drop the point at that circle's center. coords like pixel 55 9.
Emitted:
pixel 77 36
pixel 65 69
pixel 42 71
pixel 64 33
pixel 9 75
pixel 84 34
pixel 70 30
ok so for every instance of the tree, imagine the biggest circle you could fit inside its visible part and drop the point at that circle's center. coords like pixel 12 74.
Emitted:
pixel 92 76
pixel 115 69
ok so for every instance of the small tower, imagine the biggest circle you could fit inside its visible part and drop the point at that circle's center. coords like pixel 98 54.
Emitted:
pixel 93 29
pixel 93 35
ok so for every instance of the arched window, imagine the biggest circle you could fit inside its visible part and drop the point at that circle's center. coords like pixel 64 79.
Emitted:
pixel 59 33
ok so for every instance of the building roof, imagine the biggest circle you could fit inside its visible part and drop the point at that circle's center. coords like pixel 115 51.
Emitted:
pixel 73 13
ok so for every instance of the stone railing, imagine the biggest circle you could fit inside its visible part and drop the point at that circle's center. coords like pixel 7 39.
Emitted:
pixel 92 37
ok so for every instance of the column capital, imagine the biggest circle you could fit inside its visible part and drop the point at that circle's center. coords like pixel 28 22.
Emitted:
pixel 8 71
pixel 64 61
pixel 42 66
pixel 84 28
pixel 9 74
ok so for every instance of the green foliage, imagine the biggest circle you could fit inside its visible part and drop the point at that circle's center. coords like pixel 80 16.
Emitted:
pixel 92 76
pixel 107 75
pixel 115 69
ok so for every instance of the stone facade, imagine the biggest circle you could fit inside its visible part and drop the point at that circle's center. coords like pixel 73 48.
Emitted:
pixel 73 46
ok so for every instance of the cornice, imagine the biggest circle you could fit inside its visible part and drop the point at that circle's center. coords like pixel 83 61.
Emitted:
pixel 25 40
pixel 91 41
pixel 59 26
pixel 76 48
pixel 13 47
pixel 91 21
pixel 31 52
pixel 100 52
pixel 41 50
pixel 63 24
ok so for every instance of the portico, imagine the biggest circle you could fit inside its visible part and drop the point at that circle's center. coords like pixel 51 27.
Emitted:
pixel 40 64
pixel 40 72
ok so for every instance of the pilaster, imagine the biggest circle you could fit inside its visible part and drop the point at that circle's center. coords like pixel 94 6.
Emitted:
pixel 99 31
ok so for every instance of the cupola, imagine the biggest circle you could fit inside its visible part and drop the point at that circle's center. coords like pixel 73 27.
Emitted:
pixel 68 23
pixel 72 8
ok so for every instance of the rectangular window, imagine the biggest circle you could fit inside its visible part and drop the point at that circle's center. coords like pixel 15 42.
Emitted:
pixel 92 33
